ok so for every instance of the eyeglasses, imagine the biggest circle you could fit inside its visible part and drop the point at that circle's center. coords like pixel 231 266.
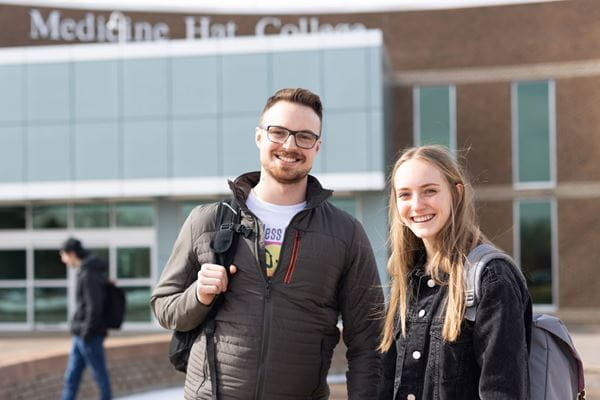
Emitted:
pixel 280 135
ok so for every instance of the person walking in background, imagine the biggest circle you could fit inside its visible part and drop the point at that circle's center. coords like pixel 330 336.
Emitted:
pixel 87 324
pixel 302 264
pixel 431 350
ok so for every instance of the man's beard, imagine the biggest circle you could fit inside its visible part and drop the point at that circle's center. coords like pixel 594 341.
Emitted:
pixel 287 176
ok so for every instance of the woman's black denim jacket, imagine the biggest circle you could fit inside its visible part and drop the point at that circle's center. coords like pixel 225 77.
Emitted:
pixel 488 361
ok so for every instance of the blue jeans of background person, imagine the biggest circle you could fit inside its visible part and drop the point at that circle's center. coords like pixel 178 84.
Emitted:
pixel 83 353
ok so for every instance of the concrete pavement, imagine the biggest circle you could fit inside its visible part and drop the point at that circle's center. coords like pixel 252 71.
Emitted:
pixel 338 392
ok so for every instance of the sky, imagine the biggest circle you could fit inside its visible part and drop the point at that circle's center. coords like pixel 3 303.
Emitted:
pixel 268 6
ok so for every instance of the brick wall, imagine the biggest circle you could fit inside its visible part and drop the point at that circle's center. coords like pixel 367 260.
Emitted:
pixel 135 365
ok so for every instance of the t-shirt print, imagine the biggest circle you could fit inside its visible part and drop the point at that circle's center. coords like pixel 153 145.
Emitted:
pixel 275 219
pixel 273 241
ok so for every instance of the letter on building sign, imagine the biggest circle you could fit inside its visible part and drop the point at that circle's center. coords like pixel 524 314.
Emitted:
pixel 231 27
pixel 288 29
pixel 314 25
pixel 142 31
pixel 146 31
pixel 101 23
pixel 262 24
pixel 40 29
pixel 160 31
pixel 195 31
pixel 206 29
pixel 358 27
pixel 303 25
pixel 67 29
pixel 84 30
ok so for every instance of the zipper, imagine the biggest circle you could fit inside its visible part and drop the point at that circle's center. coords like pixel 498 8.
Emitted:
pixel 292 265
pixel 268 305
pixel 267 315
pixel 264 345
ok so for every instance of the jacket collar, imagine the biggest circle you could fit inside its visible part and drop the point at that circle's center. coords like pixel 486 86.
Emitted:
pixel 243 184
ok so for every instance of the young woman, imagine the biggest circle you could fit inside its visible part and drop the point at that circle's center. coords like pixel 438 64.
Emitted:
pixel 431 350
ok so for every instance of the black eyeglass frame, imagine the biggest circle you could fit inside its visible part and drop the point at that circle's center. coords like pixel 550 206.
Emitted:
pixel 290 133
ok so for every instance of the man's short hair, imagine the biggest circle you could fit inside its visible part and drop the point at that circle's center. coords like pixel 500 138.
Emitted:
pixel 298 96
pixel 72 245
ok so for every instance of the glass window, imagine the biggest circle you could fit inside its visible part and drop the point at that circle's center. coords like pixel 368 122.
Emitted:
pixel 235 69
pixel 533 131
pixel 189 135
pixel 133 262
pixel 102 253
pixel 434 115
pixel 186 209
pixel 50 305
pixel 13 264
pixel 135 214
pixel 48 147
pixel 47 217
pixel 151 161
pixel 47 265
pixel 348 205
pixel 138 304
pixel 535 229
pixel 12 217
pixel 13 305
pixel 91 215
pixel 357 155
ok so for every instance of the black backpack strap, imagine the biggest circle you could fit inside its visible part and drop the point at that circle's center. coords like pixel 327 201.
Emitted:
pixel 223 246
pixel 211 350
pixel 228 221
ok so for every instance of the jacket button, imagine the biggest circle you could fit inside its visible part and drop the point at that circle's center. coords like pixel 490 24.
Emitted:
pixel 411 397
pixel 416 355
pixel 422 313
pixel 430 283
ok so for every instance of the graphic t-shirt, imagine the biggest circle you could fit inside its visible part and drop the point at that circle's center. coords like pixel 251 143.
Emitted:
pixel 275 218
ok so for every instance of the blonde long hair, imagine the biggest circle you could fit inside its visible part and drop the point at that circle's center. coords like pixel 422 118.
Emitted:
pixel 460 235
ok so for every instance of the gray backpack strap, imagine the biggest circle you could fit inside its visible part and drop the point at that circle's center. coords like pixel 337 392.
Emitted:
pixel 476 261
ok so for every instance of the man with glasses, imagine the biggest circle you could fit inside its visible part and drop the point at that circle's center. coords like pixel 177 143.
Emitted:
pixel 305 264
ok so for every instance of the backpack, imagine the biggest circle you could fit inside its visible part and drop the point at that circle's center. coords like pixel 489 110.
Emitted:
pixel 114 306
pixel 555 368
pixel 223 246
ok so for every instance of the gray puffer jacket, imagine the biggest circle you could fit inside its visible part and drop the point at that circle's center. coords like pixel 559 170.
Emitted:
pixel 275 337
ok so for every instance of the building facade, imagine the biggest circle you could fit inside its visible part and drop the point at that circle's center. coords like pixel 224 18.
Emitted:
pixel 114 124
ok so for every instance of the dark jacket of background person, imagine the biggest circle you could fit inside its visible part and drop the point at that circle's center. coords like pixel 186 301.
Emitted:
pixel 90 292
pixel 275 341
pixel 475 365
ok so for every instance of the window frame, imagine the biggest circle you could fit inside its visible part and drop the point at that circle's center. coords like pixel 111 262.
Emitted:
pixel 451 112
pixel 111 238
pixel 538 307
pixel 551 183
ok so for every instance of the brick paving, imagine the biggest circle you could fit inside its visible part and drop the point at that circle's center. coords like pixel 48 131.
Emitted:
pixel 25 348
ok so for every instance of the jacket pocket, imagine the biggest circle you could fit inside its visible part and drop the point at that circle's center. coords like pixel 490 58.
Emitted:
pixel 450 358
pixel 300 374
pixel 320 390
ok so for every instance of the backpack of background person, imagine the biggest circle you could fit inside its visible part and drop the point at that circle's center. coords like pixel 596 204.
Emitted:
pixel 114 306
pixel 555 368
